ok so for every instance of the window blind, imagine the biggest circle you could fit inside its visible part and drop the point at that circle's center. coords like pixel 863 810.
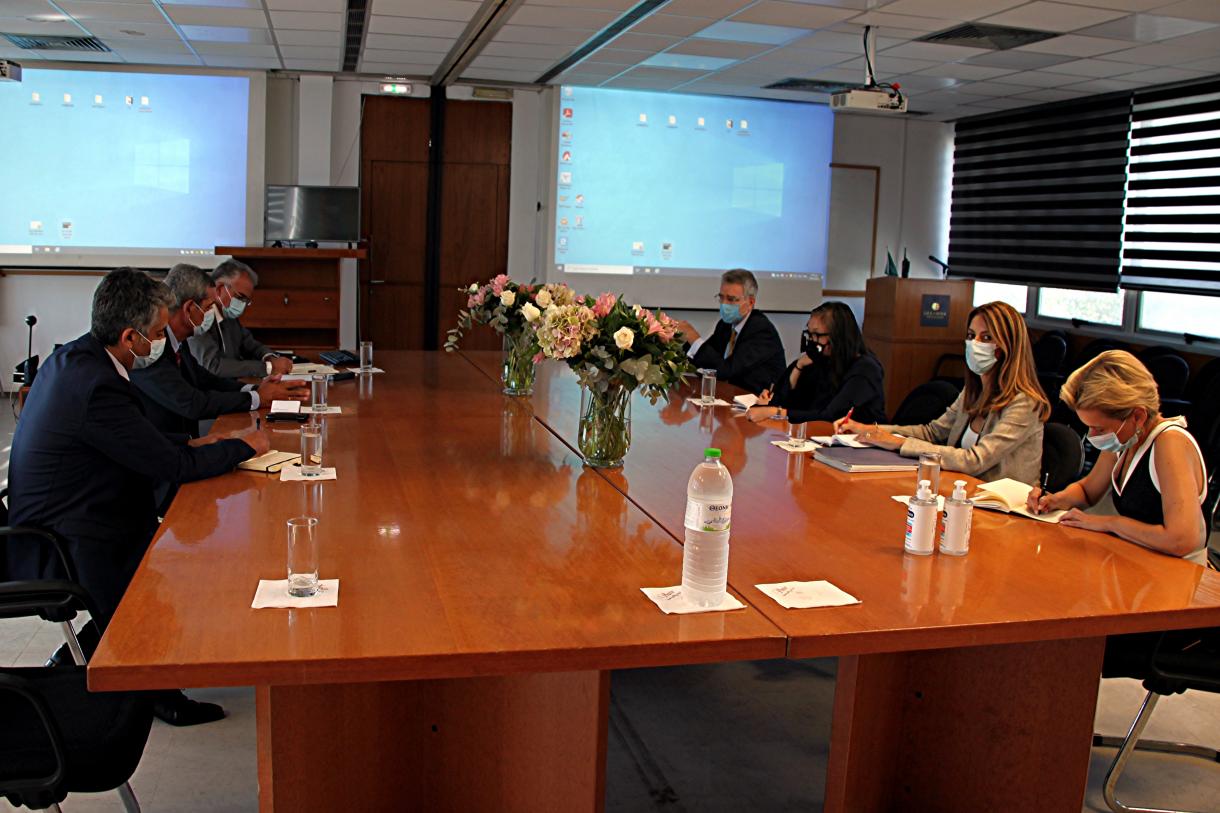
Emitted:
pixel 1038 194
pixel 1172 238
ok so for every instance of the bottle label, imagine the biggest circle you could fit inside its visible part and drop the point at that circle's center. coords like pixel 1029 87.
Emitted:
pixel 921 529
pixel 708 516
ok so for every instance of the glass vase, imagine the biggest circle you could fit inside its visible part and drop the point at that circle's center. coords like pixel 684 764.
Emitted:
pixel 604 434
pixel 519 367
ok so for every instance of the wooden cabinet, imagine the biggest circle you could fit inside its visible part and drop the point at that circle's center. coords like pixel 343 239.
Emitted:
pixel 297 305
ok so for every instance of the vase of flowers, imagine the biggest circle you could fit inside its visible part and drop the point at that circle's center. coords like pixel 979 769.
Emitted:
pixel 614 349
pixel 514 310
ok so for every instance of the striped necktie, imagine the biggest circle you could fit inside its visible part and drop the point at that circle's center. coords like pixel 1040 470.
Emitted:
pixel 732 342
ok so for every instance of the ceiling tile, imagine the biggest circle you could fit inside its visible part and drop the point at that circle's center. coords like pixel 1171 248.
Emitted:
pixel 615 56
pixel 313 20
pixel 141 32
pixel 461 10
pixel 1156 76
pixel 932 51
pixel 886 22
pixel 1075 45
pixel 796 15
pixel 693 62
pixel 1103 85
pixel 1017 60
pixel 1211 65
pixel 609 5
pixel 21 25
pixel 121 12
pixel 1042 79
pixel 650 43
pixel 581 79
pixel 639 83
pixel 394 42
pixel 960 70
pixel 1193 10
pixel 710 9
pixel 1154 54
pixel 1001 103
pixel 260 63
pixel 380 24
pixel 202 15
pixel 951 9
pixel 837 41
pixel 286 36
pixel 206 49
pixel 397 68
pixel 137 46
pixel 23 8
pixel 552 52
pixel 595 68
pixel 307 5
pixel 1045 16
pixel 837 75
pixel 1121 5
pixel 670 25
pixel 153 58
pixel 751 32
pixel 220 33
pixel 559 17
pixel 513 63
pixel 218 3
pixel 668 74
pixel 411 57
pixel 313 52
pixel 1095 68
pixel 311 64
pixel 887 65
pixel 719 48
pixel 544 36
pixel 995 89
pixel 920 83
pixel 1147 28
pixel 1051 95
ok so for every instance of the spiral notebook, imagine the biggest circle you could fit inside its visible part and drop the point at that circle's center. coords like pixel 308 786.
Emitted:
pixel 870 459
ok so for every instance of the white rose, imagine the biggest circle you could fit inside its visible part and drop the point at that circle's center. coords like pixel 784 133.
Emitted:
pixel 543 298
pixel 473 289
pixel 624 337
pixel 530 313
pixel 507 298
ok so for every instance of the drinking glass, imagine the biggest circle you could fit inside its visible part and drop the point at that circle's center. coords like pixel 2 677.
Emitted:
pixel 311 450
pixel 796 432
pixel 366 355
pixel 929 469
pixel 302 556
pixel 318 385
pixel 708 394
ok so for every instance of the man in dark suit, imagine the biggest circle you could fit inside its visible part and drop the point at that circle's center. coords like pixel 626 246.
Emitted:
pixel 177 392
pixel 228 349
pixel 744 348
pixel 85 457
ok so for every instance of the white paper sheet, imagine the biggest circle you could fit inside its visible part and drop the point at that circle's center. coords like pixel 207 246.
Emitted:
pixel 291 407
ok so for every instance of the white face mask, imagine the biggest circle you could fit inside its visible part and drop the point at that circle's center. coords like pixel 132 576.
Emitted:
pixel 208 318
pixel 1109 442
pixel 980 356
pixel 158 347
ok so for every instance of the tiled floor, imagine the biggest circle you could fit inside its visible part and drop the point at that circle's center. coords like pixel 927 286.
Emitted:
pixel 731 737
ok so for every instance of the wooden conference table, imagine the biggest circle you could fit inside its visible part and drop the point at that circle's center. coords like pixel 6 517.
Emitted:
pixel 488 582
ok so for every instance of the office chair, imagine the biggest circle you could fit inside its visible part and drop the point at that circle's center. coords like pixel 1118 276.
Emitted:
pixel 925 403
pixel 1171 373
pixel 1062 455
pixel 951 367
pixel 1050 351
pixel 59 738
pixel 1167 663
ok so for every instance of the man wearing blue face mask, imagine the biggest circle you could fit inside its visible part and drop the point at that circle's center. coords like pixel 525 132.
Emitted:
pixel 744 348
pixel 227 348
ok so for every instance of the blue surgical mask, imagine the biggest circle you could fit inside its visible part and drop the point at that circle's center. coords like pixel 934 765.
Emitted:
pixel 730 312
pixel 158 347
pixel 1109 442
pixel 980 356
pixel 202 327
pixel 209 319
pixel 235 308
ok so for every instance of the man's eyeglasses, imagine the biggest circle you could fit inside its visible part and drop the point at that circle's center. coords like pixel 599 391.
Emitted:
pixel 817 337
pixel 729 300
pixel 234 295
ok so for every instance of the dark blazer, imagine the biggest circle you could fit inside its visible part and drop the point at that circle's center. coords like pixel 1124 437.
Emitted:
pixel 815 398
pixel 758 355
pixel 229 350
pixel 178 393
pixel 83 464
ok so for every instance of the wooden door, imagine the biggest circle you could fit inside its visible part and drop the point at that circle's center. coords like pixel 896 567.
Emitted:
pixel 394 208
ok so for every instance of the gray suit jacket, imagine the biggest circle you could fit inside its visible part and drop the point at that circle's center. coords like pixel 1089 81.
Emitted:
pixel 1009 445
pixel 229 350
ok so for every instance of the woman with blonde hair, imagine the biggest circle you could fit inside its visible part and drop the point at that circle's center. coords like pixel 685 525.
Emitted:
pixel 1151 465
pixel 994 428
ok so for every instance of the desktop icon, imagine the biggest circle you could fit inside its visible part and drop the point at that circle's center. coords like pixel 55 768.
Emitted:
pixel 35 227
pixel 35 98
pixel 744 125
pixel 637 247
pixel 97 100
pixel 579 221
pixel 565 179
pixel 566 157
pixel 643 118
pixel 563 222
pixel 67 100
pixel 130 100
pixel 567 91
pixel 700 122
pixel 672 121
pixel 728 123
pixel 667 251
pixel 563 244
pixel 567 112
pixel 144 101
pixel 580 200
pixel 65 230
pixel 566 136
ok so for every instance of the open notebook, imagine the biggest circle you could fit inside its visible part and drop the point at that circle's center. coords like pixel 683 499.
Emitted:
pixel 839 440
pixel 1009 496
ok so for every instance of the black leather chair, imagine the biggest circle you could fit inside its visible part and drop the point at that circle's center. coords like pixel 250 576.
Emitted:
pixel 1172 373
pixel 951 367
pixel 925 403
pixel 1094 349
pixel 57 737
pixel 1050 351
pixel 1062 455
pixel 1167 663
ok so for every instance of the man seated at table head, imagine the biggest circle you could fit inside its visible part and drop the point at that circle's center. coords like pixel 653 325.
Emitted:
pixel 176 391
pixel 744 347
pixel 227 348
pixel 85 458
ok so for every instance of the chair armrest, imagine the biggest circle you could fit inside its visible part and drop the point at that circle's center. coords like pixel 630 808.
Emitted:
pixel 48 537
pixel 50 599
pixel 25 690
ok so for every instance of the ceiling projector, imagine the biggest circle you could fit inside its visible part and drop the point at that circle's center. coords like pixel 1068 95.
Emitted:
pixel 870 99
pixel 9 71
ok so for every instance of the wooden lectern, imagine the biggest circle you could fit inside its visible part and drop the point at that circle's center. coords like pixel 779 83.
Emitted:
pixel 910 323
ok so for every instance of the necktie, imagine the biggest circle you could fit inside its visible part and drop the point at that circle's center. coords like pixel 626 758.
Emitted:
pixel 732 342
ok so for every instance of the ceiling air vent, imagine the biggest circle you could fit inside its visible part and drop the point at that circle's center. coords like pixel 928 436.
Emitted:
pixel 991 37
pixel 39 42
pixel 810 85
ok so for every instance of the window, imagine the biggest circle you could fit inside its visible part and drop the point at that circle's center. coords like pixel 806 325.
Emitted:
pixel 1092 306
pixel 1179 313
pixel 1015 295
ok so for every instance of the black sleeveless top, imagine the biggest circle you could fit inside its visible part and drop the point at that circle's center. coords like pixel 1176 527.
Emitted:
pixel 1139 498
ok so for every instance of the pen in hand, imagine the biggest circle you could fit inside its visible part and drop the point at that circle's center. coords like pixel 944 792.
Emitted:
pixel 1039 506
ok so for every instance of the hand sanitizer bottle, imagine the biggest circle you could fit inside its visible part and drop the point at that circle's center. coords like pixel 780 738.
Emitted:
pixel 921 521
pixel 959 512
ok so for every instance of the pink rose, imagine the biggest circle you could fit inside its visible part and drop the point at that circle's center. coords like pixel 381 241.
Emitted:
pixel 498 283
pixel 605 304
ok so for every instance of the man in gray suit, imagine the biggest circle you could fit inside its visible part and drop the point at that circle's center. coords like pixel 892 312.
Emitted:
pixel 228 349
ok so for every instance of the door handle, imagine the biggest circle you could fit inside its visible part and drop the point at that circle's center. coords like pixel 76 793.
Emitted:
pixel 376 282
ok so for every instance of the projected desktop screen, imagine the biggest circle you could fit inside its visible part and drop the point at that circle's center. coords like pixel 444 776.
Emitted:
pixel 684 185
pixel 118 162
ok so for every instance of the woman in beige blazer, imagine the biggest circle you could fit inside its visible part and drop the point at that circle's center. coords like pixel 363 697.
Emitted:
pixel 994 428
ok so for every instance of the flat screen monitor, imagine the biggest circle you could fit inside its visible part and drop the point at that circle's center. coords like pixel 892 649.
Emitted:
pixel 319 213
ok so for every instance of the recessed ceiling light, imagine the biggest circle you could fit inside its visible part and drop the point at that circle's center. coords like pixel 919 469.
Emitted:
pixel 131 32
pixel 47 18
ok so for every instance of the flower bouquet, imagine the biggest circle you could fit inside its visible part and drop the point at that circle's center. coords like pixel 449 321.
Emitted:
pixel 614 349
pixel 513 309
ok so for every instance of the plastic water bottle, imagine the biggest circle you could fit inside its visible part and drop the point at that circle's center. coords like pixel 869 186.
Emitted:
pixel 709 509
pixel 921 521
pixel 955 538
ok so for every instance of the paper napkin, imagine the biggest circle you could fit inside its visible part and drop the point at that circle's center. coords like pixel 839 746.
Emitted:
pixel 292 474
pixel 802 595
pixel 358 371
pixel 807 446
pixel 905 499
pixel 671 600
pixel 274 593
pixel 717 402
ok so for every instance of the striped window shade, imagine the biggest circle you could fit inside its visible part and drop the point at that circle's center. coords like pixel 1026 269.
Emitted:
pixel 1038 194
pixel 1172 239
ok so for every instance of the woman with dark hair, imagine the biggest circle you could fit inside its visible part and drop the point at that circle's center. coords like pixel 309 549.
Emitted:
pixel 835 374
pixel 994 428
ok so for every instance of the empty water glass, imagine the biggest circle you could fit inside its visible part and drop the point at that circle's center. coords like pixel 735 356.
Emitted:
pixel 366 355
pixel 318 386
pixel 708 395
pixel 929 469
pixel 311 450
pixel 302 556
